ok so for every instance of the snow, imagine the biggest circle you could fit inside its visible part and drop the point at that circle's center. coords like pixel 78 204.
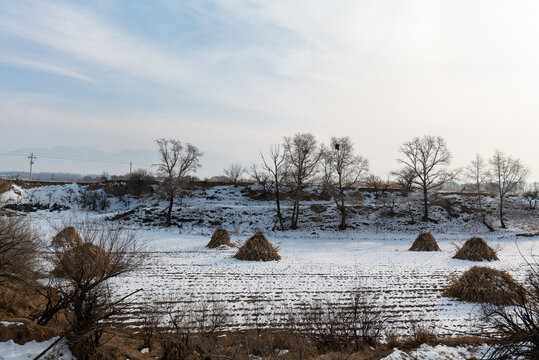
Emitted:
pixel 439 352
pixel 319 264
pixel 10 350
pixel 9 323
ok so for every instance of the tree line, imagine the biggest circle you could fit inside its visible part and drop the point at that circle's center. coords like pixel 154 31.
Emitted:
pixel 300 161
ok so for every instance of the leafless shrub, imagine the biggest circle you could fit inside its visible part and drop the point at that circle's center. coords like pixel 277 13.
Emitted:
pixel 19 250
pixel 94 200
pixel 349 328
pixel 515 330
pixel 192 330
pixel 140 182
pixel 151 318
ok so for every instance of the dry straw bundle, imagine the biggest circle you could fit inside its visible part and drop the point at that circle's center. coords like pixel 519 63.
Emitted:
pixel 425 242
pixel 485 285
pixel 68 237
pixel 219 238
pixel 258 248
pixel 476 249
pixel 82 261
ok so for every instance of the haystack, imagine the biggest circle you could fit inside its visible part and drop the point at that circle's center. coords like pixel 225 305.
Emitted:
pixel 82 262
pixel 68 237
pixel 425 242
pixel 219 238
pixel 476 249
pixel 258 248
pixel 485 285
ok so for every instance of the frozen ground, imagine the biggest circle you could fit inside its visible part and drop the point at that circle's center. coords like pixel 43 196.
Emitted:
pixel 439 352
pixel 9 350
pixel 319 265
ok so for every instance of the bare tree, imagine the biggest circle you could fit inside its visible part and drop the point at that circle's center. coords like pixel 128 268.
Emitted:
pixel 234 172
pixel 261 177
pixel 404 178
pixel 302 158
pixel 375 182
pixel 508 174
pixel 275 166
pixel 428 158
pixel 347 170
pixel 176 162
pixel 478 173
pixel 19 250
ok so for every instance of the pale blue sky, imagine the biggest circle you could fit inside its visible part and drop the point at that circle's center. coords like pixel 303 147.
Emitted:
pixel 233 77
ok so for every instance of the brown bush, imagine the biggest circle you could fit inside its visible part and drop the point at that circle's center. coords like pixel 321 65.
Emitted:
pixel 22 330
pixel 19 250
pixel 476 249
pixel 318 208
pixel 258 248
pixel 425 242
pixel 219 238
pixel 485 285
pixel 67 237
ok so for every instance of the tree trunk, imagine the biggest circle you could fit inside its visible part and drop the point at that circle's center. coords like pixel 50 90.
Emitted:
pixel 501 213
pixel 343 226
pixel 278 202
pixel 426 205
pixel 169 211
pixel 295 213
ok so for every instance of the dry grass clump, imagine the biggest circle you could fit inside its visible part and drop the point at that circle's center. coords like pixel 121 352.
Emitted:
pixel 5 185
pixel 219 238
pixel 476 249
pixel 82 261
pixel 68 237
pixel 425 242
pixel 258 248
pixel 485 285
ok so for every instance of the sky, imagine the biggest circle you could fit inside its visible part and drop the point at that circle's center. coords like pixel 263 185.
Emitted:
pixel 103 79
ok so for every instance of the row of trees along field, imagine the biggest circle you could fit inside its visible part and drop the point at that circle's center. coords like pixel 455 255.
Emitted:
pixel 300 161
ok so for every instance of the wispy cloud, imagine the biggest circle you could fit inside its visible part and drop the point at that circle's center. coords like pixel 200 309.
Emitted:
pixel 24 63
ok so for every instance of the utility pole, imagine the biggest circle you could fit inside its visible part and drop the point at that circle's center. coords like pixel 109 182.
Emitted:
pixel 130 167
pixel 31 157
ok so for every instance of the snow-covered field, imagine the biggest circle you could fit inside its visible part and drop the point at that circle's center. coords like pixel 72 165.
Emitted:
pixel 319 265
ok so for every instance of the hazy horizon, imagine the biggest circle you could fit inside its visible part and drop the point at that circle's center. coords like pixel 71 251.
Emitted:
pixel 232 77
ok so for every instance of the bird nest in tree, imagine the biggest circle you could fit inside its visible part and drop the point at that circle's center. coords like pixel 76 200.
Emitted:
pixel 67 237
pixel 81 262
pixel 425 242
pixel 219 238
pixel 476 249
pixel 485 285
pixel 258 248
